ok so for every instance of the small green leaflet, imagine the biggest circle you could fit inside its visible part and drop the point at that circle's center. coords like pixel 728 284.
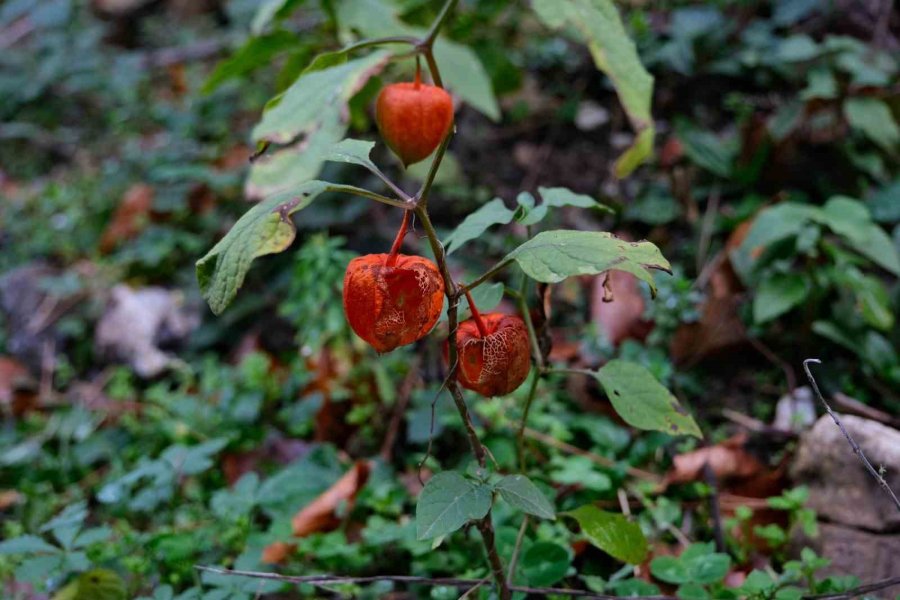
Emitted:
pixel 520 492
pixel 642 401
pixel 873 118
pixel 557 197
pixel 476 223
pixel 777 295
pixel 448 502
pixel 545 563
pixel 598 25
pixel 612 533
pixel 354 152
pixel 265 229
pixel 552 256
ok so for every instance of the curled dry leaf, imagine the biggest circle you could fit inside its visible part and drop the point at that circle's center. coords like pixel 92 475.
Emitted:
pixel 617 307
pixel 728 460
pixel 321 514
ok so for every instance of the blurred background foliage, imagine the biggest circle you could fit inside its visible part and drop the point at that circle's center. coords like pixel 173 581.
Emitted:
pixel 142 436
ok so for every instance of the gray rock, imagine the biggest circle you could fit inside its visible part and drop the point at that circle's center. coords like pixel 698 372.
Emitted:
pixel 841 490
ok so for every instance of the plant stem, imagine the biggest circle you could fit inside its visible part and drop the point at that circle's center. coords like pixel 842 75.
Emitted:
pixel 520 435
pixel 476 316
pixel 398 241
pixel 393 39
pixel 486 275
pixel 351 189
pixel 432 34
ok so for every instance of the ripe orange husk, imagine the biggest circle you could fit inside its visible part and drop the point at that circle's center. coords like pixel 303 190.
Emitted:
pixel 391 306
pixel 497 363
pixel 413 118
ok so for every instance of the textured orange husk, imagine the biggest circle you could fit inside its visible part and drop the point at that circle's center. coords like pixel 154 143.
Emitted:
pixel 498 363
pixel 413 118
pixel 392 306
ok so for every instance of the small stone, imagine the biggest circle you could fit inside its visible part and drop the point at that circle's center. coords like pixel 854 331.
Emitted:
pixel 840 488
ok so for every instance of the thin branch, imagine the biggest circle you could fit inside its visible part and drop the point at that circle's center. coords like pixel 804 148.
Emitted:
pixel 520 537
pixel 856 449
pixel 520 435
pixel 411 579
pixel 432 34
pixel 351 189
pixel 595 458
pixel 486 275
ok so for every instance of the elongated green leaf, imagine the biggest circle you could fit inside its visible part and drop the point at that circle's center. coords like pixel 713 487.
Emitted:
pixel 462 72
pixel 851 220
pixel 599 26
pixel 642 401
pixel 873 118
pixel 552 198
pixel 777 295
pixel 552 256
pixel 448 502
pixel 476 223
pixel 355 152
pixel 519 491
pixel 264 229
pixel 270 10
pixel 255 52
pixel 612 533
pixel 27 544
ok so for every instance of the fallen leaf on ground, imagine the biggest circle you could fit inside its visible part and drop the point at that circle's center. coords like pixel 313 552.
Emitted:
pixel 17 387
pixel 617 307
pixel 130 217
pixel 321 513
pixel 728 460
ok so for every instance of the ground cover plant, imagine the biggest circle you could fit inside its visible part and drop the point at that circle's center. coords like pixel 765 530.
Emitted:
pixel 447 299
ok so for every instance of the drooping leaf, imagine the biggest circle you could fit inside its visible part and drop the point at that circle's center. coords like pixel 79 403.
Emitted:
pixel 462 72
pixel 448 502
pixel 270 10
pixel 552 256
pixel 354 152
pixel 599 25
pixel 309 116
pixel 264 229
pixel 96 584
pixel 612 533
pixel 476 223
pixel 642 401
pixel 520 492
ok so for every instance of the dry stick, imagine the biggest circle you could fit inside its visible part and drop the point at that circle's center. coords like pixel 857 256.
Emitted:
pixel 406 388
pixel 715 512
pixel 856 449
pixel 412 579
pixel 467 583
pixel 595 458
pixel 520 537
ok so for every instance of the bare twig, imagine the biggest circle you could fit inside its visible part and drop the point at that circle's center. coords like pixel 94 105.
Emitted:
pixel 411 579
pixel 714 510
pixel 856 449
pixel 520 435
pixel 595 458
pixel 514 559
pixel 403 396
pixel 857 591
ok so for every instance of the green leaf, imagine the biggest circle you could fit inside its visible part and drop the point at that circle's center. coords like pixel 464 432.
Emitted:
pixel 554 198
pixel 355 152
pixel 264 229
pixel 270 10
pixel 476 223
pixel 255 52
pixel 642 401
pixel 692 591
pixel 777 295
pixel 485 296
pixel 309 117
pixel 612 533
pixel 545 563
pixel 872 299
pixel 883 203
pixel 552 256
pixel 770 225
pixel 706 150
pixel 669 569
pixel 26 544
pixel 851 220
pixel 299 110
pixel 448 502
pixel 462 72
pixel 598 25
pixel 520 492
pixel 97 584
pixel 873 118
